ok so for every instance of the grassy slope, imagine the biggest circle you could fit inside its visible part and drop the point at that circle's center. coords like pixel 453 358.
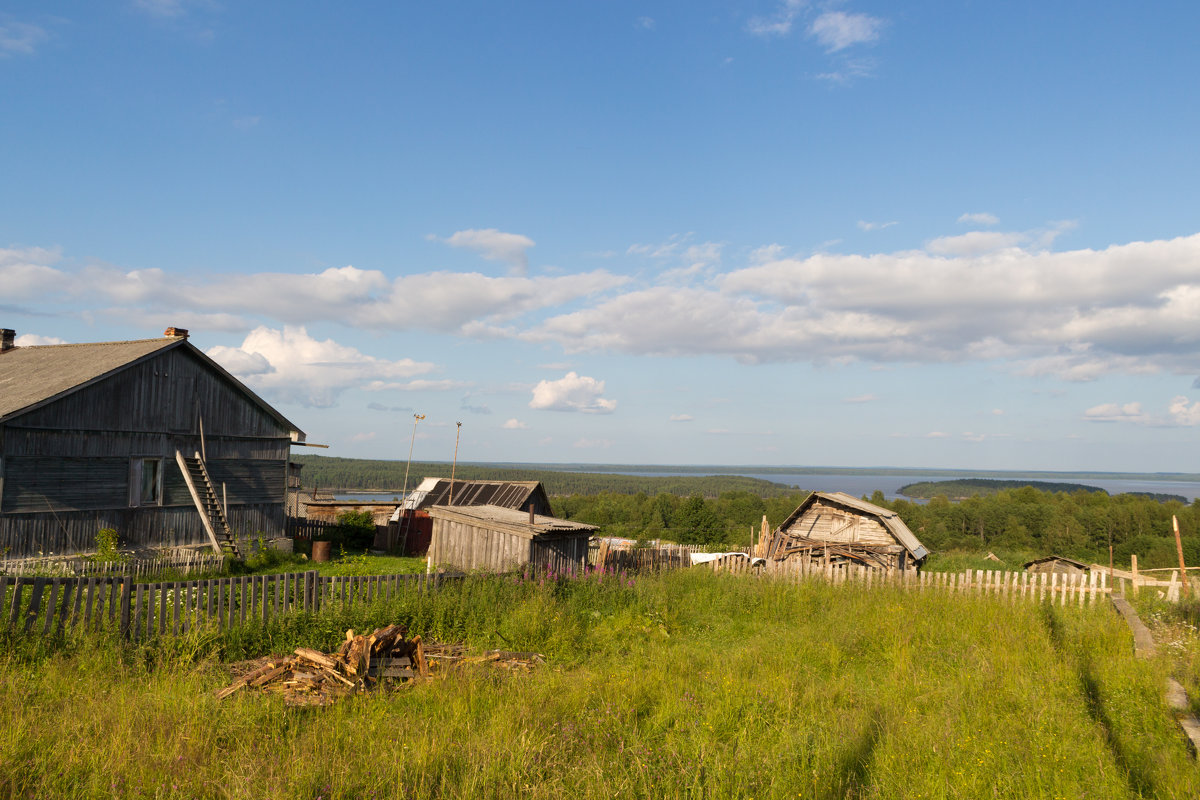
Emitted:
pixel 683 685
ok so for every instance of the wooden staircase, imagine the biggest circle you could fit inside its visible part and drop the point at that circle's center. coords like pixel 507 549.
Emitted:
pixel 212 510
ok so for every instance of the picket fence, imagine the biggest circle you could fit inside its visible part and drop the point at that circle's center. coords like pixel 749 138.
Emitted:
pixel 638 559
pixel 1079 589
pixel 133 567
pixel 41 605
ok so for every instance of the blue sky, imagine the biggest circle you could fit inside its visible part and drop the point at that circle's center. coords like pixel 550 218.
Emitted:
pixel 951 234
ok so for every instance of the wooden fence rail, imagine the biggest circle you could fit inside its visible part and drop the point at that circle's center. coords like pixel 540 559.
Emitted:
pixel 40 605
pixel 1004 584
pixel 134 567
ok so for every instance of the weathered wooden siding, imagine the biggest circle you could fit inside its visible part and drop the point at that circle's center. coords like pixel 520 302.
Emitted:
pixel 561 554
pixel 470 547
pixel 829 523
pixel 62 533
pixel 169 392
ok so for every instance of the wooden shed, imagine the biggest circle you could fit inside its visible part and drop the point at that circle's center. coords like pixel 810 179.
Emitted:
pixel 149 437
pixel 1060 564
pixel 411 527
pixel 835 527
pixel 498 539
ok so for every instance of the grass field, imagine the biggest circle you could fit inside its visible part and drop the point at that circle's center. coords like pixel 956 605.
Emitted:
pixel 686 684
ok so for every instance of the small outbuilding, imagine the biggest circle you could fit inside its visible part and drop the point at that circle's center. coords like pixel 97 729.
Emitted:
pixel 1060 564
pixel 498 539
pixel 410 527
pixel 835 527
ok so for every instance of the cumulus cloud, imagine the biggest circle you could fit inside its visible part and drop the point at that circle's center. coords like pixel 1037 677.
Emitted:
pixel 495 245
pixel 863 225
pixel 29 272
pixel 1113 412
pixel 980 218
pixel 572 392
pixel 681 418
pixel 778 23
pixel 1181 413
pixel 34 340
pixel 837 30
pixel 514 424
pixel 290 366
pixel 20 38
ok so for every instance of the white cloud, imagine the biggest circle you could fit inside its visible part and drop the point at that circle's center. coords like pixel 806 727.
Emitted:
pixel 1112 412
pixel 495 245
pixel 572 392
pixel 20 38
pixel 1183 414
pixel 33 340
pixel 363 437
pixel 644 23
pixel 779 23
pixel 681 418
pixel 837 30
pixel 863 225
pixel 514 424
pixel 862 398
pixel 28 272
pixel 290 366
pixel 974 243
pixel 937 435
pixel 981 218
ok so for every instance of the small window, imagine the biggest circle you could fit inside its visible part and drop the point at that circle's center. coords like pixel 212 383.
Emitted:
pixel 145 482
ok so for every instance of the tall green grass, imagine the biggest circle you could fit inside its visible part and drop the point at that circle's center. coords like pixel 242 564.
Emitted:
pixel 685 684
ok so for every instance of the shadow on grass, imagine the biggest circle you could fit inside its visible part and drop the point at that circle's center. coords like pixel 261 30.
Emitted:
pixel 853 772
pixel 1140 783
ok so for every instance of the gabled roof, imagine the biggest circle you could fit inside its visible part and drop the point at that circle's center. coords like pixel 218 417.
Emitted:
pixel 888 518
pixel 510 520
pixel 508 494
pixel 31 377
pixel 1063 559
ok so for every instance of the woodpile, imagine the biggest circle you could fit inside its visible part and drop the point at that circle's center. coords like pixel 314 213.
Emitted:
pixel 310 677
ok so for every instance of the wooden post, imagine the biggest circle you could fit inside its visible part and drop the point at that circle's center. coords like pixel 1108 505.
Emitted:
pixel 1134 570
pixel 1179 548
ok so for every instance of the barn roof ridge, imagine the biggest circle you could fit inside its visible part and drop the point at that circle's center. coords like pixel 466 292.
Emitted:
pixel 32 376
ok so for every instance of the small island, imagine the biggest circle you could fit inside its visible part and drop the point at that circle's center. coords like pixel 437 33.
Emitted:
pixel 963 488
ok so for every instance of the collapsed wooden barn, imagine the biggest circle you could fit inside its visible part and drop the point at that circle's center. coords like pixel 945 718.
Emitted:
pixel 151 438
pixel 1057 564
pixel 499 539
pixel 835 528
pixel 411 528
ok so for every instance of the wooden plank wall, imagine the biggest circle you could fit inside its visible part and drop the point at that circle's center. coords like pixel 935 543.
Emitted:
pixel 473 547
pixel 68 532
pixel 828 523
pixel 44 606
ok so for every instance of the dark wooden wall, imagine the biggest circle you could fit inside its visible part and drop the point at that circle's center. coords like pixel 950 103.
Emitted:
pixel 65 467
pixel 32 535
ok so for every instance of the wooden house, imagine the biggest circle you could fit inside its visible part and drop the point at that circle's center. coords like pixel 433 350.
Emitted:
pixel 498 539
pixel 834 527
pixel 150 437
pixel 411 527
pixel 1060 564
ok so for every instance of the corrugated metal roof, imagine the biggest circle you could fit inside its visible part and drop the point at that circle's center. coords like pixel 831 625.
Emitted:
pixel 512 519
pixel 887 517
pixel 509 494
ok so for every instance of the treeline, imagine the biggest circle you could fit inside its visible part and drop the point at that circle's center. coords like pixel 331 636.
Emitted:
pixel 1080 525
pixel 353 474
pixel 976 487
pixel 728 520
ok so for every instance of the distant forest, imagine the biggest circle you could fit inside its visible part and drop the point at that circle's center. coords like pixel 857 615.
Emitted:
pixel 982 487
pixel 354 474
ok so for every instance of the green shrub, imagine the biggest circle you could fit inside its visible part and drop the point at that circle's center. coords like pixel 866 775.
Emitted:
pixel 106 547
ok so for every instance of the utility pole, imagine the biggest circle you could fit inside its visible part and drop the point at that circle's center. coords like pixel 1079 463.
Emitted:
pixel 454 464
pixel 404 498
